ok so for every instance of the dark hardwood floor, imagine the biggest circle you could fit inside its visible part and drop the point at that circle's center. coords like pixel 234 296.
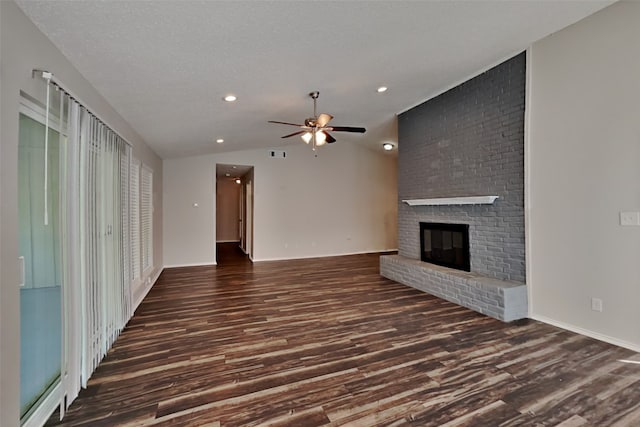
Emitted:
pixel 229 254
pixel 330 342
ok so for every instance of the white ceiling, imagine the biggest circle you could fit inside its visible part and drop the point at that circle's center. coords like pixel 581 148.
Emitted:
pixel 165 65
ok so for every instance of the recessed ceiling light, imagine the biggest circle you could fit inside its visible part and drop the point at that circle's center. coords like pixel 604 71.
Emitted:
pixel 234 167
pixel 227 174
pixel 230 98
pixel 238 181
pixel 219 140
pixel 382 89
pixel 388 146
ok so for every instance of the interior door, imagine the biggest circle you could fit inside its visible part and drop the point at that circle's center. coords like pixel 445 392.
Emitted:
pixel 249 217
pixel 241 219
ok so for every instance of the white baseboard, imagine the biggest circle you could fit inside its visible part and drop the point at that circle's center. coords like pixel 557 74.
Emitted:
pixel 195 264
pixel 146 289
pixel 202 264
pixel 587 333
pixel 227 241
pixel 324 255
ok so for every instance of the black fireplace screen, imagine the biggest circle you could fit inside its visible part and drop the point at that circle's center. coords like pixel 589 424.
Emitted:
pixel 445 244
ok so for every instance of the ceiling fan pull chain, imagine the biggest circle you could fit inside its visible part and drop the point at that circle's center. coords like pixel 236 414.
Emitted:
pixel 315 152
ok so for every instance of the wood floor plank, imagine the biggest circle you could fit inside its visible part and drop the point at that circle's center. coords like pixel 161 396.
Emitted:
pixel 328 341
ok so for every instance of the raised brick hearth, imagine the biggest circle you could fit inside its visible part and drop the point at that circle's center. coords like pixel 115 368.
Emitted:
pixel 501 299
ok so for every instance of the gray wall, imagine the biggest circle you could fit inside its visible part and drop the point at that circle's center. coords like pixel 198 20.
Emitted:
pixel 469 141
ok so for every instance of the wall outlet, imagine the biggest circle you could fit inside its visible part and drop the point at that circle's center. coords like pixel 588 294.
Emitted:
pixel 596 304
pixel 630 218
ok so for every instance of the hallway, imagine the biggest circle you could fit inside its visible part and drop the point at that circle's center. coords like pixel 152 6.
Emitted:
pixel 229 254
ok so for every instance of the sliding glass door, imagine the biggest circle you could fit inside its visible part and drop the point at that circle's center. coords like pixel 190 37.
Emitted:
pixel 39 179
pixel 79 247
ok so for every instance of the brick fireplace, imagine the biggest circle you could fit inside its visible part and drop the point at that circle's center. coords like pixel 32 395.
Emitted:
pixel 465 143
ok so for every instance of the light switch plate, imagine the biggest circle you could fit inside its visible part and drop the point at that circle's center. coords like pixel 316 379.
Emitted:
pixel 596 304
pixel 630 218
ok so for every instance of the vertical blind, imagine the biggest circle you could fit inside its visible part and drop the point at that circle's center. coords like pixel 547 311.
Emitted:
pixel 103 282
pixel 107 240
pixel 134 220
pixel 146 216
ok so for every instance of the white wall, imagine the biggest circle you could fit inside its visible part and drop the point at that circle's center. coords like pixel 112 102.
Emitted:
pixel 227 210
pixel 23 47
pixel 583 169
pixel 343 201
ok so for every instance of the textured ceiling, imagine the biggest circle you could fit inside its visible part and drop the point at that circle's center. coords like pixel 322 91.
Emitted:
pixel 165 65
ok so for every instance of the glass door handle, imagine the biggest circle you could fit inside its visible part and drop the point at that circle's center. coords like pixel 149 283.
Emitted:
pixel 22 271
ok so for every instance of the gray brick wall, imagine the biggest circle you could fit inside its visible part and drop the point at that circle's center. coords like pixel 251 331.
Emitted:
pixel 469 141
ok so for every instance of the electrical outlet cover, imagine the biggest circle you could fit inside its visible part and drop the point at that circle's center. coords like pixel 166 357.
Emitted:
pixel 596 304
pixel 630 218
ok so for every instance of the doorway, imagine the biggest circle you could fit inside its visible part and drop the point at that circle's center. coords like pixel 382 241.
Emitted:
pixel 234 213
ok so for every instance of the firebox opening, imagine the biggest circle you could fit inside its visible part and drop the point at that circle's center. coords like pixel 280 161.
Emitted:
pixel 445 244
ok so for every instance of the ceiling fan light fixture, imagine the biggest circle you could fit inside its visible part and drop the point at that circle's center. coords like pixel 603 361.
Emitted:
pixel 321 138
pixel 316 129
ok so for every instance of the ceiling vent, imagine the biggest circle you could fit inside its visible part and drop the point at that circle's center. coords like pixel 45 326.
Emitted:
pixel 277 154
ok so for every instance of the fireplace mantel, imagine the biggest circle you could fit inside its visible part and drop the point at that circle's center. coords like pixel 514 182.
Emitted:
pixel 443 201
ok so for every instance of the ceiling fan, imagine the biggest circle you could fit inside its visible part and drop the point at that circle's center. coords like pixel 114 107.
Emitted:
pixel 316 129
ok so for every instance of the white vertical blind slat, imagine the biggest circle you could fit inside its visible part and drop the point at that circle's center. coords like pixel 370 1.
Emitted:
pixel 84 319
pixel 146 216
pixel 134 176
pixel 126 235
pixel 73 295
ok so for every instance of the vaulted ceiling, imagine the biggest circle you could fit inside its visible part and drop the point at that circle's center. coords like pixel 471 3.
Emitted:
pixel 166 65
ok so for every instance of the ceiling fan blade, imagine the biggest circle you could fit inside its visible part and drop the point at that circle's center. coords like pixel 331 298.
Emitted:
pixel 329 138
pixel 323 119
pixel 294 134
pixel 285 123
pixel 347 129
